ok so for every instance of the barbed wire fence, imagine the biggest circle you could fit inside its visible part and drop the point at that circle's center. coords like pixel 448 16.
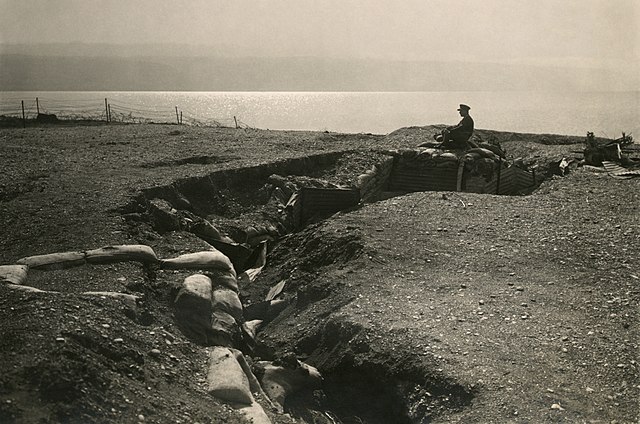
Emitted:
pixel 44 109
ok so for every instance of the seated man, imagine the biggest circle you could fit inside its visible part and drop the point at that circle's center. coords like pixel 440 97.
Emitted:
pixel 457 136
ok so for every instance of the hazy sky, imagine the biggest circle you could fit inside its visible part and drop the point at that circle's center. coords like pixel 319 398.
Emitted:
pixel 545 31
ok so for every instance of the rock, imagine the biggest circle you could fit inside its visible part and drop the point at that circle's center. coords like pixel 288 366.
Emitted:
pixel 275 290
pixel 557 407
pixel 226 380
pixel 125 253
pixel 163 215
pixel 211 259
pixel 226 300
pixel 15 274
pixel 54 261
pixel 155 352
pixel 205 230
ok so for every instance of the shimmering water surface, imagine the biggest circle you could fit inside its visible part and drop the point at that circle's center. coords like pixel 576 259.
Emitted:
pixel 605 113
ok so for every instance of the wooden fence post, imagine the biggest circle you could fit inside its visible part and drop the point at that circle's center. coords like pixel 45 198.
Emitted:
pixel 37 106
pixel 236 121
pixel 109 109
pixel 106 110
pixel 24 119
pixel 499 172
pixel 177 117
pixel 180 117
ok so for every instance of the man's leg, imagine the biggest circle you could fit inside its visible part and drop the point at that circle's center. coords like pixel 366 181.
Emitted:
pixel 446 136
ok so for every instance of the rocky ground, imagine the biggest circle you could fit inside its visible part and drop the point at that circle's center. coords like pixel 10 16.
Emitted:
pixel 424 307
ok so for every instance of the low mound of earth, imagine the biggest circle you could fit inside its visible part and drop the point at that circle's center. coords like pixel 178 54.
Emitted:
pixel 424 307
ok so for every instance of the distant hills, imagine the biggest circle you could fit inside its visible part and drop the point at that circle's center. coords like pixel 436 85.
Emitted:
pixel 84 67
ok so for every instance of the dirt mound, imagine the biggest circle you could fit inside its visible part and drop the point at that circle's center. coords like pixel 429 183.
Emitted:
pixel 434 306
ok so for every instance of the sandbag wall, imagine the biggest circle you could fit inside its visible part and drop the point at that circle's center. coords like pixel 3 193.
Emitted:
pixel 424 170
pixel 434 170
pixel 375 181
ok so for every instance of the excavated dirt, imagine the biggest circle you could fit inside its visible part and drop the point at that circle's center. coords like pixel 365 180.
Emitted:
pixel 424 307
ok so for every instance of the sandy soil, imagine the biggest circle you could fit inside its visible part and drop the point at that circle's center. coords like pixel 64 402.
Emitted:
pixel 425 307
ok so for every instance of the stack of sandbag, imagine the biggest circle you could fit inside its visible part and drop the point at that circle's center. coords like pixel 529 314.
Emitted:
pixel 425 157
pixel 207 306
pixel 481 162
pixel 374 180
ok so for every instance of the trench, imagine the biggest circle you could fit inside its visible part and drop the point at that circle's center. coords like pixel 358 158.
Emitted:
pixel 238 210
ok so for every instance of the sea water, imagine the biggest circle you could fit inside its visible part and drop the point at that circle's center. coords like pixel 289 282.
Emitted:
pixel 572 113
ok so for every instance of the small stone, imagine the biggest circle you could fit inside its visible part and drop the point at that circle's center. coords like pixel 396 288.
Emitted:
pixel 557 406
pixel 106 326
pixel 154 352
pixel 118 340
pixel 60 339
pixel 140 417
pixel 520 288
pixel 590 390
pixel 481 302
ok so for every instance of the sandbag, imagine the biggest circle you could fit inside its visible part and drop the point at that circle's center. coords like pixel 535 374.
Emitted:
pixel 485 153
pixel 210 259
pixel 470 157
pixel 226 379
pixel 15 274
pixel 198 284
pixel 254 384
pixel 281 381
pixel 124 253
pixel 238 254
pixel 222 278
pixel 27 289
pixel 447 156
pixel 226 300
pixel 224 329
pixel 495 149
pixel 54 261
pixel 193 307
pixel 254 414
pixel 129 299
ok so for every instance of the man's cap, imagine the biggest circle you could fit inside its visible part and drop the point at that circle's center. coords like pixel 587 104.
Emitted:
pixel 462 106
